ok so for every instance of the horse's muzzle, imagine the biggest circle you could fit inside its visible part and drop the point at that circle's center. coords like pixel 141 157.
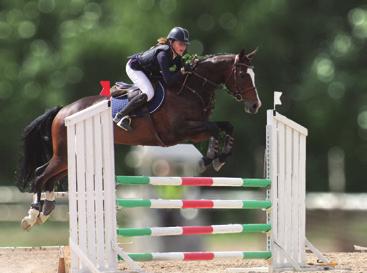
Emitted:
pixel 252 107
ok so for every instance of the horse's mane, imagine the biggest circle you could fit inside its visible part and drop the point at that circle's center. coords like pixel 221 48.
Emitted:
pixel 206 58
pixel 202 61
pixel 210 57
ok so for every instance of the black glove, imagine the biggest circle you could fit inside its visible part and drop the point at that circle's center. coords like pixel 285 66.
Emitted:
pixel 187 68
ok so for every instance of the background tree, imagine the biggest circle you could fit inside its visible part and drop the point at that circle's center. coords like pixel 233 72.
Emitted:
pixel 54 52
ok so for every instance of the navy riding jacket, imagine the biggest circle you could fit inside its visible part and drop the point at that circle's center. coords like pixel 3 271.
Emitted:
pixel 158 63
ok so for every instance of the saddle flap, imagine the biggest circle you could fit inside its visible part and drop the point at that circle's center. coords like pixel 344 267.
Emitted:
pixel 124 85
pixel 122 88
pixel 119 103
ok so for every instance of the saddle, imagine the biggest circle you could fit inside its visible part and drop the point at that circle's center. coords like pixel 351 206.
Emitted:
pixel 122 88
pixel 122 93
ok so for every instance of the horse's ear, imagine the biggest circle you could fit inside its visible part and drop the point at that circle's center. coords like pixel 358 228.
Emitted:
pixel 242 54
pixel 252 54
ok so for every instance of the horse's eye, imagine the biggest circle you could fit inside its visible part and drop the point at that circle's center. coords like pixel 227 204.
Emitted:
pixel 242 74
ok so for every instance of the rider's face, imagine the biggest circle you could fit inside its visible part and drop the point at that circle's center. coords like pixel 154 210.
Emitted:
pixel 179 47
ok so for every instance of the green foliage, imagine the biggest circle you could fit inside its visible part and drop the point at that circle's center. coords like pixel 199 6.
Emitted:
pixel 191 58
pixel 54 52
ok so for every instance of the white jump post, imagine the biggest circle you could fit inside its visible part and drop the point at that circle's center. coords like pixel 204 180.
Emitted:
pixel 286 168
pixel 286 159
pixel 92 200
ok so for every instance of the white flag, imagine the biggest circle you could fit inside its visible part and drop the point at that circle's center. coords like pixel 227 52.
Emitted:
pixel 277 96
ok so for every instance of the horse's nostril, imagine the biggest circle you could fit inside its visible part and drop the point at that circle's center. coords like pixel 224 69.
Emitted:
pixel 256 105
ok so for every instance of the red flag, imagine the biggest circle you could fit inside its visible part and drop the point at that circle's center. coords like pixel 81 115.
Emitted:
pixel 105 88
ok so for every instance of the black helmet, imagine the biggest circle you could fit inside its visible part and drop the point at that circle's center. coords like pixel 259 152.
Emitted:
pixel 179 34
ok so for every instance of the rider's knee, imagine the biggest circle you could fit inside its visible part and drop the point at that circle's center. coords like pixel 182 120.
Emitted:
pixel 149 92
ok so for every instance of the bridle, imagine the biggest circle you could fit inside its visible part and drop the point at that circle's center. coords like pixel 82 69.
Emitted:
pixel 237 94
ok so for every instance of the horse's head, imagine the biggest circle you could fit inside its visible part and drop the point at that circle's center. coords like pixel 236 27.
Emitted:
pixel 240 81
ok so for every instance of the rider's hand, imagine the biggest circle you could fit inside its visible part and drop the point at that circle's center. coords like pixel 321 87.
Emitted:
pixel 186 69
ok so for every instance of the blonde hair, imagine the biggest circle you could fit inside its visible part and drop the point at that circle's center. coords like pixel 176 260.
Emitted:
pixel 163 41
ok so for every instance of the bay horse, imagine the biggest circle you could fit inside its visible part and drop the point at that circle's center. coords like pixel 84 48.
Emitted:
pixel 182 118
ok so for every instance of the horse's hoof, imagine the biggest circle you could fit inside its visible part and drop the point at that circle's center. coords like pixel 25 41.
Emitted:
pixel 202 166
pixel 217 164
pixel 30 220
pixel 26 224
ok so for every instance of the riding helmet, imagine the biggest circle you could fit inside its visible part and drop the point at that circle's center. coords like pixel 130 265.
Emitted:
pixel 179 34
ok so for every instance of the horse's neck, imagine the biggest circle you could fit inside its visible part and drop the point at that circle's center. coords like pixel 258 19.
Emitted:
pixel 209 75
pixel 212 71
pixel 216 68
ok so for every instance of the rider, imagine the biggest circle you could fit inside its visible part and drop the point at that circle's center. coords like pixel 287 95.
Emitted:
pixel 162 61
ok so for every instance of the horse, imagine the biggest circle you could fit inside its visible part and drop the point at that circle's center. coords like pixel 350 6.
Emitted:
pixel 183 117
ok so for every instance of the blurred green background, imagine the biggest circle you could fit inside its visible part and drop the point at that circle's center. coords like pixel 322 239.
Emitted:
pixel 54 52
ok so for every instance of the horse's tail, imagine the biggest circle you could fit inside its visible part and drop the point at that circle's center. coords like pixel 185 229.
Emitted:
pixel 37 148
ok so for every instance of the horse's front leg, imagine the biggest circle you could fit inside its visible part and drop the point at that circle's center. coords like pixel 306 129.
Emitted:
pixel 209 155
pixel 226 149
pixel 199 131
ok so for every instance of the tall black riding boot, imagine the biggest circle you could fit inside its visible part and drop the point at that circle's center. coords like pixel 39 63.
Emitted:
pixel 122 118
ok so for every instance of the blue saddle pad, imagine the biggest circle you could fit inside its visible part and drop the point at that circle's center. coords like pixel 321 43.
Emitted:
pixel 153 105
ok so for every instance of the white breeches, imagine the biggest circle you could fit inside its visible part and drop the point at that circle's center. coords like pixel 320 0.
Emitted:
pixel 140 80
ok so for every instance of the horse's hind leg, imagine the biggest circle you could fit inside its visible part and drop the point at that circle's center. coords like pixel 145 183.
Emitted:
pixel 48 205
pixel 56 168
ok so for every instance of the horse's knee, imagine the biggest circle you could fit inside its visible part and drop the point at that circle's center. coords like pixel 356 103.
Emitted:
pixel 213 129
pixel 226 126
pixel 229 128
